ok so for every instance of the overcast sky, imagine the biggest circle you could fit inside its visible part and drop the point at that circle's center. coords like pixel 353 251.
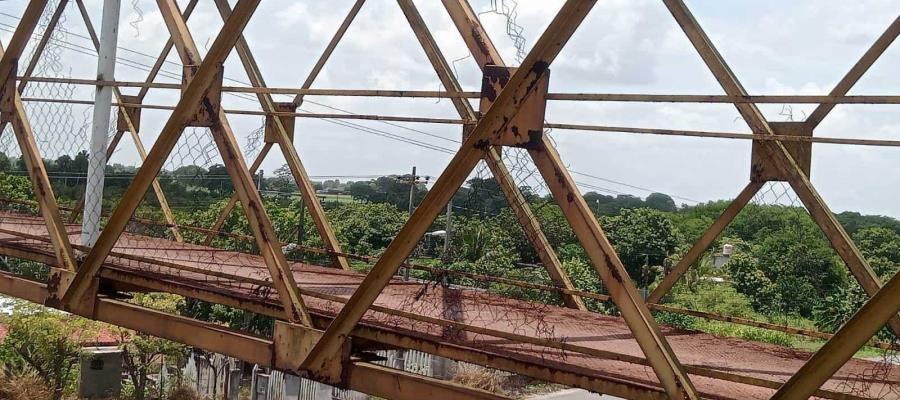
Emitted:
pixel 624 46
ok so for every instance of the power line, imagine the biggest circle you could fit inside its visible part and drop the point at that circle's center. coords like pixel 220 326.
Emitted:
pixel 630 186
pixel 351 125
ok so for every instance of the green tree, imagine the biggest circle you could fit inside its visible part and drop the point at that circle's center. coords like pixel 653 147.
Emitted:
pixel 48 342
pixel 787 271
pixel 643 238
pixel 854 221
pixel 365 228
pixel 142 353
pixel 661 202
pixel 5 163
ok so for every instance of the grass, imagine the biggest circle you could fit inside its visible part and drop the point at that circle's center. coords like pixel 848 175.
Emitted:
pixel 336 198
pixel 723 299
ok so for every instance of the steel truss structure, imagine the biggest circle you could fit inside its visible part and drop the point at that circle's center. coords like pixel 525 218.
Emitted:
pixel 511 114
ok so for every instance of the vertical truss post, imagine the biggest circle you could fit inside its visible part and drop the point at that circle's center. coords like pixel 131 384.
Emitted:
pixel 494 122
pixel 285 142
pixel 106 71
pixel 660 355
pixel 852 336
pixel 492 158
pixel 611 270
pixel 779 155
pixel 129 120
pixel 38 51
pixel 325 225
pixel 161 59
pixel 194 96
pixel 12 110
pixel 705 241
pixel 223 135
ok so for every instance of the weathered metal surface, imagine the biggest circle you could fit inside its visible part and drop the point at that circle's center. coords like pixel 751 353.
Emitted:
pixel 731 360
pixel 209 108
pixel 287 122
pixel 781 151
pixel 527 126
pixel 763 169
pixel 129 117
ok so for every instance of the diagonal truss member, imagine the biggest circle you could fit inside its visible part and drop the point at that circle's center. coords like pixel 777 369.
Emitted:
pixel 195 99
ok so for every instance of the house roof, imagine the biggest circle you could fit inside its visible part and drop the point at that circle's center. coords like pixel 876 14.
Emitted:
pixel 102 338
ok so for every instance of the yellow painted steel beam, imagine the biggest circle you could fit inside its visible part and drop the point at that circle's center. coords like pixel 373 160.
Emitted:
pixel 883 306
pixel 702 244
pixel 515 199
pixel 779 155
pixel 223 135
pixel 301 177
pixel 505 107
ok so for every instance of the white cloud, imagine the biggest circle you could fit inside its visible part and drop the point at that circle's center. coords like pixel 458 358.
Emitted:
pixel 774 47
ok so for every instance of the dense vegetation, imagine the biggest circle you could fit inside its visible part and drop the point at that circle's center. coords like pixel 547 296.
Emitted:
pixel 783 269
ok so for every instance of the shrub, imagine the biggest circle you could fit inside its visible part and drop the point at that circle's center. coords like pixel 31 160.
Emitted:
pixel 184 393
pixel 26 385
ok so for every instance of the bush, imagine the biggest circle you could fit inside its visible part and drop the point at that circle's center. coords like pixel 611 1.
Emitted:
pixel 480 378
pixel 26 385
pixel 184 393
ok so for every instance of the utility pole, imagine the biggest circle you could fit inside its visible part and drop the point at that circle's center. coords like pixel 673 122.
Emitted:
pixel 106 68
pixel 259 181
pixel 412 189
pixel 447 230
pixel 300 224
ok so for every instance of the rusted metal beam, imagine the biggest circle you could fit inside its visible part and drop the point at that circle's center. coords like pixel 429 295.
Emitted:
pixel 883 306
pixel 161 59
pixel 285 143
pixel 659 354
pixel 155 284
pixel 493 159
pixel 187 106
pixel 780 156
pixel 361 376
pixel 476 38
pixel 506 106
pixel 43 190
pixel 859 69
pixel 705 241
pixel 13 111
pixel 298 100
pixel 134 281
pixel 22 34
pixel 131 126
pixel 612 272
pixel 554 96
pixel 266 238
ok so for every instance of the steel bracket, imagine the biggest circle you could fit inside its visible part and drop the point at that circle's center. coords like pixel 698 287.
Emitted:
pixel 58 283
pixel 131 110
pixel 208 109
pixel 763 169
pixel 527 126
pixel 288 121
pixel 293 343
